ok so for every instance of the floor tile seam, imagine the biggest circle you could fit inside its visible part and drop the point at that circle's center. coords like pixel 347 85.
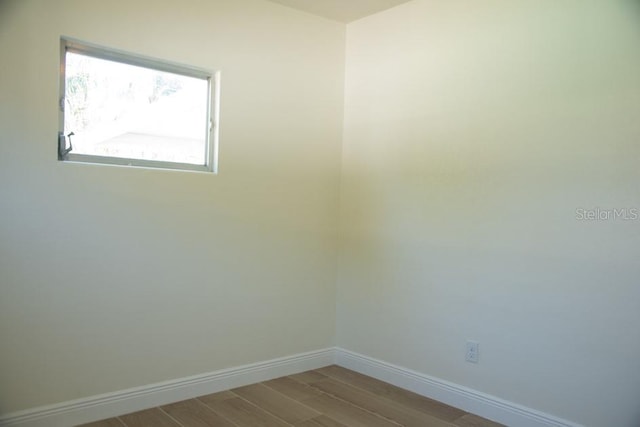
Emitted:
pixel 391 401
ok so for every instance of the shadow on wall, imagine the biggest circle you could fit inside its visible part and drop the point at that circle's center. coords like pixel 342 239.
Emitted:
pixel 6 6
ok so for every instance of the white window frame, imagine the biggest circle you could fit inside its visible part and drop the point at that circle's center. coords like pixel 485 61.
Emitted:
pixel 213 106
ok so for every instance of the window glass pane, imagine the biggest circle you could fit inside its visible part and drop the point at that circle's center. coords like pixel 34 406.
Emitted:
pixel 126 111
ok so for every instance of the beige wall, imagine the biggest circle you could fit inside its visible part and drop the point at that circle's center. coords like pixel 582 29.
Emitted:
pixel 114 277
pixel 473 132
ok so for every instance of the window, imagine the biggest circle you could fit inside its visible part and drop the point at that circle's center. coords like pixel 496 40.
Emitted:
pixel 124 109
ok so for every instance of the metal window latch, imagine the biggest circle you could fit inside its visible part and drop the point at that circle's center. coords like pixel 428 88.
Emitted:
pixel 62 145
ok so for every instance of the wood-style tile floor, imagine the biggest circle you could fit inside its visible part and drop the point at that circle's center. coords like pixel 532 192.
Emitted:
pixel 327 397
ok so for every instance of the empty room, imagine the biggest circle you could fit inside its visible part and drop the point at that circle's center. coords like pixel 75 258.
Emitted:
pixel 307 213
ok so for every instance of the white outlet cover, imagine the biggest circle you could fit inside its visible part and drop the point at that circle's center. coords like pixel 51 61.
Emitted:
pixel 472 351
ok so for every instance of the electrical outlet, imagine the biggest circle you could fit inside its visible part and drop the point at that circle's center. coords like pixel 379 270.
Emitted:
pixel 471 354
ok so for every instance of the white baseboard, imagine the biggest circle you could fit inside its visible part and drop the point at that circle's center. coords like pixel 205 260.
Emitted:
pixel 109 405
pixel 469 400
